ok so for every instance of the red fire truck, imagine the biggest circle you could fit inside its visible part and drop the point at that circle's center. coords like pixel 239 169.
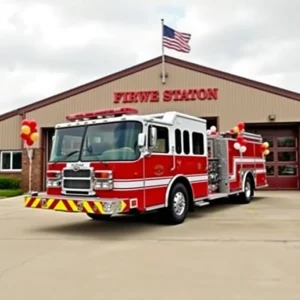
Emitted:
pixel 110 162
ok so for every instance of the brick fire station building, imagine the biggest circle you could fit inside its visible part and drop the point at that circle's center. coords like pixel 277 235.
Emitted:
pixel 223 99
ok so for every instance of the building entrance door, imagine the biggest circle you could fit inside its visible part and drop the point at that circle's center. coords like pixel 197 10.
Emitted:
pixel 211 121
pixel 283 161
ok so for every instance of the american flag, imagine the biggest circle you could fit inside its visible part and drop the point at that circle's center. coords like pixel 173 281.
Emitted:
pixel 176 40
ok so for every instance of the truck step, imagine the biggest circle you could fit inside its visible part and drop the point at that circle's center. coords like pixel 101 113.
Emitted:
pixel 201 203
pixel 217 196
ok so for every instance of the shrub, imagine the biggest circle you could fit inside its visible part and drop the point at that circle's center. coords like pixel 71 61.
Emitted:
pixel 9 183
pixel 11 193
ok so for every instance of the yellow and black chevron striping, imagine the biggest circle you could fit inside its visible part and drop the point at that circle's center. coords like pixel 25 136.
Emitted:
pixel 68 205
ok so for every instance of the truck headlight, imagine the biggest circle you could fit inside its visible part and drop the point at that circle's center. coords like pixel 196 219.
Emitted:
pixel 53 183
pixel 103 185
pixel 106 185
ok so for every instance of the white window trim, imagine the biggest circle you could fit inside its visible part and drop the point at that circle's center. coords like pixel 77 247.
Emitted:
pixel 11 162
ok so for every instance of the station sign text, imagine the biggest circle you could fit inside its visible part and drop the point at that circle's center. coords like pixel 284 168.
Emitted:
pixel 167 95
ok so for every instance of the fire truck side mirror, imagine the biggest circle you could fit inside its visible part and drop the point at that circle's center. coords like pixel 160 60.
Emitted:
pixel 153 137
pixel 141 139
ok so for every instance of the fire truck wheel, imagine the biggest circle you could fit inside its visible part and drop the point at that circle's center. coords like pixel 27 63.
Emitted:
pixel 97 217
pixel 246 196
pixel 177 209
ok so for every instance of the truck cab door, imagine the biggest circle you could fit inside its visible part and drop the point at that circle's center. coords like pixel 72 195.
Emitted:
pixel 158 164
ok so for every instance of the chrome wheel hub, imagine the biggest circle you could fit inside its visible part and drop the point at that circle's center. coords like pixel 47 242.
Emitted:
pixel 179 203
pixel 248 189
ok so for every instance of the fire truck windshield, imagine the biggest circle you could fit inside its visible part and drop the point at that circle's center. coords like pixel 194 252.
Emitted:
pixel 116 141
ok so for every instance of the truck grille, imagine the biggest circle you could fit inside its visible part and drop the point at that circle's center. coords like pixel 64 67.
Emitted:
pixel 77 174
pixel 77 182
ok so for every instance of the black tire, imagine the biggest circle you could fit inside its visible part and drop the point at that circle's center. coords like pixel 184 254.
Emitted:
pixel 178 205
pixel 97 217
pixel 246 196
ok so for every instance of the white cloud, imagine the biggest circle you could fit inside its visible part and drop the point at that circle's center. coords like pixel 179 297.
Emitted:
pixel 50 46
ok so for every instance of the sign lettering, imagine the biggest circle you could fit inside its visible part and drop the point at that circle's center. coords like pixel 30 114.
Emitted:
pixel 167 95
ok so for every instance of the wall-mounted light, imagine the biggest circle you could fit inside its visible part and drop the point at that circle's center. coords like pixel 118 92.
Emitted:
pixel 166 75
pixel 272 117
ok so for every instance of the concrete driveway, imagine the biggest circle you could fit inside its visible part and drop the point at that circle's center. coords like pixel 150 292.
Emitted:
pixel 223 251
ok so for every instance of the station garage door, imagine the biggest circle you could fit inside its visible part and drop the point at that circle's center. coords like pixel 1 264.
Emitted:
pixel 283 160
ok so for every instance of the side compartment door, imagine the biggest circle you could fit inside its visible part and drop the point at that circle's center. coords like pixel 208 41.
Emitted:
pixel 157 166
pixel 196 163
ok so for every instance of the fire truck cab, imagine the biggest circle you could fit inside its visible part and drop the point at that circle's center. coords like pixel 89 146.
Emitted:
pixel 111 162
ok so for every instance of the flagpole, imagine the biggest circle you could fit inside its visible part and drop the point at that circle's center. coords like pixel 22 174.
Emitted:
pixel 163 53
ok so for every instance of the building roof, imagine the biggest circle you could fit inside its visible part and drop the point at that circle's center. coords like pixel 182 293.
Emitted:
pixel 150 63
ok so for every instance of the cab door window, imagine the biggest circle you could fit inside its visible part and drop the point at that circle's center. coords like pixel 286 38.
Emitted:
pixel 162 144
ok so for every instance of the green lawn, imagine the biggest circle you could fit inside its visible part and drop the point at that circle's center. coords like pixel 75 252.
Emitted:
pixel 10 193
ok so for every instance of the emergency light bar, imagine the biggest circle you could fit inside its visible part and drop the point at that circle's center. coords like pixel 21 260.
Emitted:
pixel 104 113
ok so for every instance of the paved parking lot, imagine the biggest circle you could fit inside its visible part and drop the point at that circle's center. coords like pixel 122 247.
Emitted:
pixel 224 251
